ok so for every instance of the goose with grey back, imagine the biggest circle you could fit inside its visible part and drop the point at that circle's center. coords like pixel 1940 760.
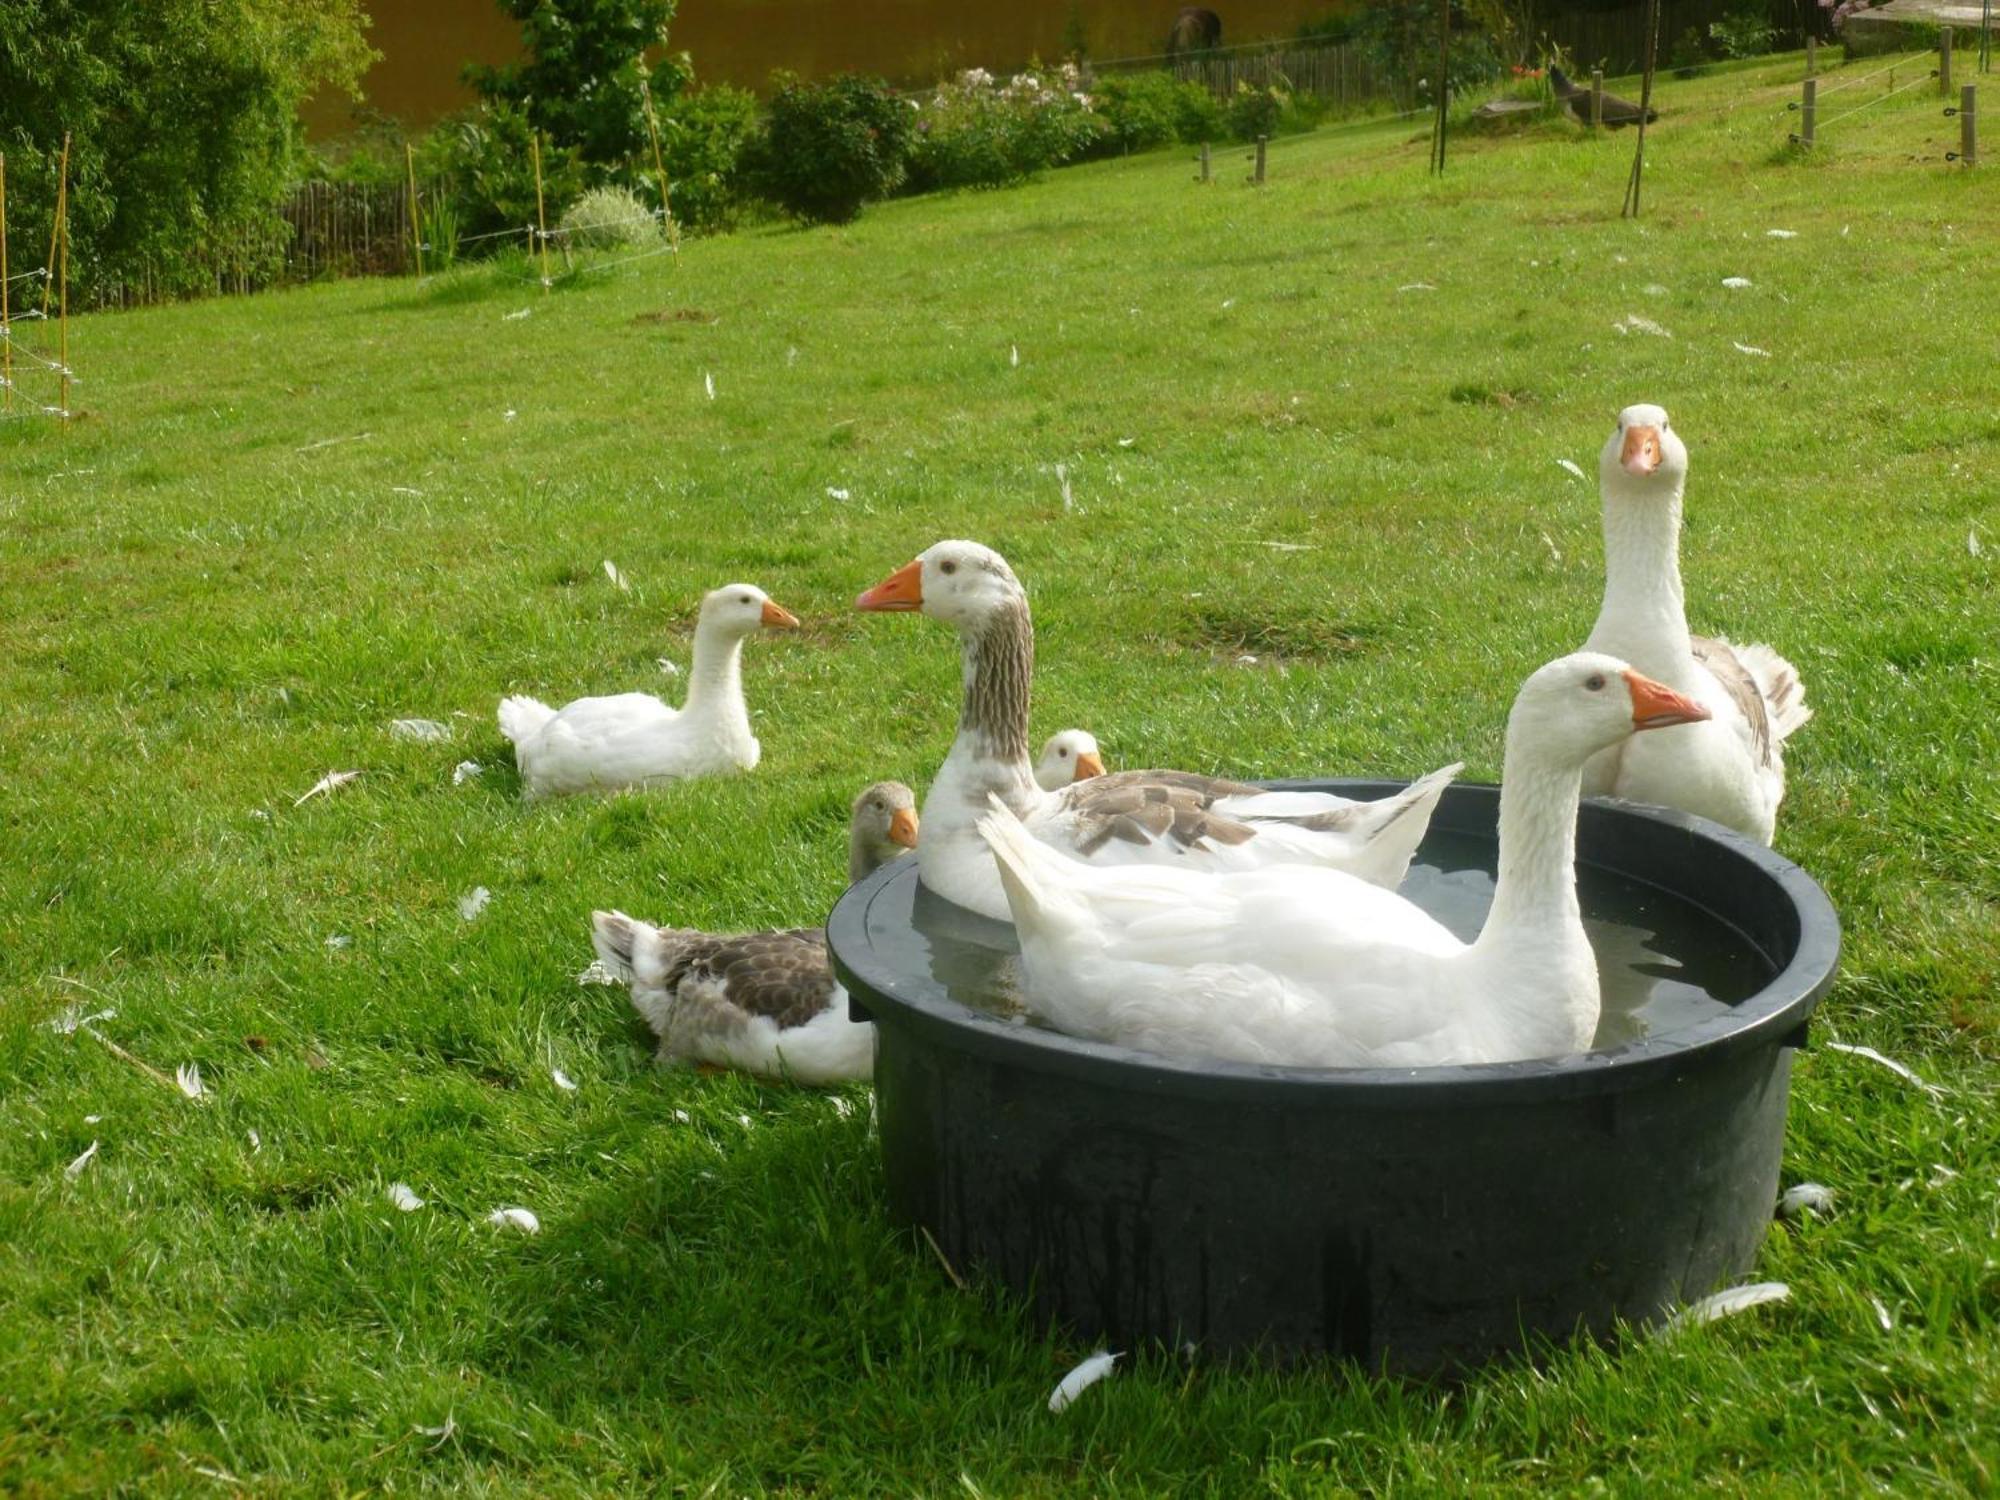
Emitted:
pixel 762 1002
pixel 1313 967
pixel 633 739
pixel 1131 817
pixel 1731 768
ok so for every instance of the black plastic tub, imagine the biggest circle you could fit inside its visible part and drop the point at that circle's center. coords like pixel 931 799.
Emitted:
pixel 1415 1219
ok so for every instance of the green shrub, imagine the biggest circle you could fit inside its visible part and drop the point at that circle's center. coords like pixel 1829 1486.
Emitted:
pixel 1253 110
pixel 609 218
pixel 976 132
pixel 438 228
pixel 1689 57
pixel 488 154
pixel 703 143
pixel 827 148
pixel 1141 110
pixel 1742 33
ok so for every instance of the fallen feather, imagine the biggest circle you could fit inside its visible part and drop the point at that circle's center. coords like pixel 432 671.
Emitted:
pixel 515 1218
pixel 842 1107
pixel 92 1119
pixel 1751 349
pixel 256 1142
pixel 403 1198
pixel 404 489
pixel 1726 1304
pixel 1654 289
pixel 708 381
pixel 260 815
pixel 473 902
pixel 1081 1379
pixel 188 1076
pixel 1417 286
pixel 1572 467
pixel 516 316
pixel 423 731
pixel 1013 356
pixel 1287 546
pixel 1882 1315
pixel 339 940
pixel 1890 1063
pixel 72 1019
pixel 330 782
pixel 1633 323
pixel 1736 283
pixel 668 668
pixel 509 414
pixel 1555 552
pixel 1126 442
pixel 1062 479
pixel 684 1117
pixel 835 494
pixel 464 771
pixel 443 1434
pixel 75 1169
pixel 1806 1199
pixel 563 1081
pixel 1941 1174
pixel 618 580
pixel 1228 303
pixel 597 974
pixel 1246 660
pixel 1972 542
pixel 1781 234
pixel 744 1121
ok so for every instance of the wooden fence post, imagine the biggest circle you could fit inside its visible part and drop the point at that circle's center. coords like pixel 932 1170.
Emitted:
pixel 1944 62
pixel 1597 98
pixel 62 190
pixel 62 276
pixel 6 333
pixel 1632 187
pixel 1262 141
pixel 1808 109
pixel 1968 126
pixel 416 235
pixel 541 219
pixel 660 167
pixel 1203 159
pixel 1443 86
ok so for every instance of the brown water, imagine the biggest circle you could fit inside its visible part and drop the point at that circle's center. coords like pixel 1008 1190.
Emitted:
pixel 424 45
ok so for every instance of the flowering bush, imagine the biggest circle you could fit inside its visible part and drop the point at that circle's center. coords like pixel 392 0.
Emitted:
pixel 1256 111
pixel 827 148
pixel 978 132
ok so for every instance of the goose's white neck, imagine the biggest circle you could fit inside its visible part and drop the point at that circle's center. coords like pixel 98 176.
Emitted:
pixel 1644 614
pixel 715 681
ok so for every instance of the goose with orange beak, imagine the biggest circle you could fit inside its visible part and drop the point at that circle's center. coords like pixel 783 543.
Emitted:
pixel 633 739
pixel 1731 767
pixel 761 1002
pixel 1067 756
pixel 1315 968
pixel 1129 818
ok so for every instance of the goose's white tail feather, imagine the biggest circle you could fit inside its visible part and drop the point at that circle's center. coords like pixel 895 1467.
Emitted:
pixel 614 935
pixel 1017 852
pixel 1778 680
pixel 523 718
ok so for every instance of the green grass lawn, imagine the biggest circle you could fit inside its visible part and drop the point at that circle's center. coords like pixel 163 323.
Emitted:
pixel 284 521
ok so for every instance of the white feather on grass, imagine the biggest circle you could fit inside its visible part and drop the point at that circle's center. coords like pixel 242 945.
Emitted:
pixel 834 492
pixel 332 781
pixel 618 580
pixel 188 1076
pixel 1062 479
pixel 596 974
pixel 403 1198
pixel 1736 283
pixel 464 771
pixel 1570 464
pixel 339 940
pixel 75 1169
pixel 516 315
pixel 1013 356
pixel 1900 1070
pixel 708 383
pixel 1416 286
pixel 522 1219
pixel 562 1080
pixel 473 902
pixel 1081 1379
pixel 1781 234
pixel 1972 542
pixel 72 1019
pixel 668 668
pixel 1728 1303
pixel 1633 323
pixel 256 1142
pixel 1882 1314
pixel 1805 1200
pixel 422 731
pixel 1751 349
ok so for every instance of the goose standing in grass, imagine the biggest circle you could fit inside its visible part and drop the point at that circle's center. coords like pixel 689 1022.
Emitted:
pixel 1311 967
pixel 1731 769
pixel 763 1002
pixel 1133 817
pixel 1068 756
pixel 632 739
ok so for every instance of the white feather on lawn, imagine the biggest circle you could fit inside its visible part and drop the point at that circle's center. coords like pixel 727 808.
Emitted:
pixel 332 781
pixel 563 1081
pixel 75 1169
pixel 403 1198
pixel 1728 1303
pixel 421 731
pixel 1081 1379
pixel 1570 464
pixel 1900 1070
pixel 464 771
pixel 618 580
pixel 188 1076
pixel 473 902
pixel 1803 1201
pixel 516 1218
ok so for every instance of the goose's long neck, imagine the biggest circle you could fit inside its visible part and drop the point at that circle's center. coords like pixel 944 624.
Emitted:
pixel 999 674
pixel 1534 897
pixel 863 857
pixel 1643 606
pixel 715 681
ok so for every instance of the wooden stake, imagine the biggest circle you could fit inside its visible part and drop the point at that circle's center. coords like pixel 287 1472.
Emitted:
pixel 1204 162
pixel 1968 126
pixel 1809 113
pixel 667 224
pixel 541 221
pixel 1812 57
pixel 6 333
pixel 62 192
pixel 62 276
pixel 1944 61
pixel 1262 141
pixel 1645 108
pixel 1597 98
pixel 416 234
pixel 1443 86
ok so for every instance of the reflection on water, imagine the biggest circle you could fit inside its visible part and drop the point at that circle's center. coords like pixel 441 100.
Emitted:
pixel 1663 965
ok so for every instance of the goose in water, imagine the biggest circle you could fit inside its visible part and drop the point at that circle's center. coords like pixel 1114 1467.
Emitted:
pixel 631 739
pixel 1066 757
pixel 763 1002
pixel 1732 767
pixel 1132 817
pixel 1311 967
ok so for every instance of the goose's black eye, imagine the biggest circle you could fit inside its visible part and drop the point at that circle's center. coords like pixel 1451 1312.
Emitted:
pixel 1595 682
pixel 746 599
pixel 1064 753
pixel 947 567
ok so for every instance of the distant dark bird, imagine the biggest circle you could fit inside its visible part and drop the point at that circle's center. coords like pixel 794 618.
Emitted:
pixel 1195 30
pixel 1617 111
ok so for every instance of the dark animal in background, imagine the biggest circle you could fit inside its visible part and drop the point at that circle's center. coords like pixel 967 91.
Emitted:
pixel 1195 30
pixel 1617 112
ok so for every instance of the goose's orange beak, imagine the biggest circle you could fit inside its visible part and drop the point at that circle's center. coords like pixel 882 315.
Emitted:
pixel 1642 450
pixel 903 828
pixel 901 590
pixel 1089 764
pixel 777 617
pixel 1657 706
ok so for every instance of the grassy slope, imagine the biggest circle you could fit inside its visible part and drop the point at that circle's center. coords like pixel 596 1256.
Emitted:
pixel 203 612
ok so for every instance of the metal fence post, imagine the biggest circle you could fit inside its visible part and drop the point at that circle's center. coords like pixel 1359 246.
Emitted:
pixel 1597 98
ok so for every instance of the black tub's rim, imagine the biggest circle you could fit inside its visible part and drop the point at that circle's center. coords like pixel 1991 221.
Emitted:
pixel 1774 1016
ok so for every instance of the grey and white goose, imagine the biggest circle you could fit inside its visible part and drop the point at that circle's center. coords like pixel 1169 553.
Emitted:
pixel 1132 817
pixel 762 1002
pixel 1617 112
pixel 1068 755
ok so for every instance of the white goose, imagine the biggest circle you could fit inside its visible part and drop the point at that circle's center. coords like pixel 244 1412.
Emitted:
pixel 1311 967
pixel 764 1002
pixel 1732 768
pixel 1133 817
pixel 631 739
pixel 1070 755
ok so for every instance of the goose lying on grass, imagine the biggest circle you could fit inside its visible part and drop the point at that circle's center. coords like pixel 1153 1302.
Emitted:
pixel 1617 112
pixel 764 1002
pixel 1133 817
pixel 1732 768
pixel 630 739
pixel 1068 756
pixel 1312 967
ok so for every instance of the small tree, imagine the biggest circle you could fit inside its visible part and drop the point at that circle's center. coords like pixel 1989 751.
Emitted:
pixel 581 78
pixel 827 148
